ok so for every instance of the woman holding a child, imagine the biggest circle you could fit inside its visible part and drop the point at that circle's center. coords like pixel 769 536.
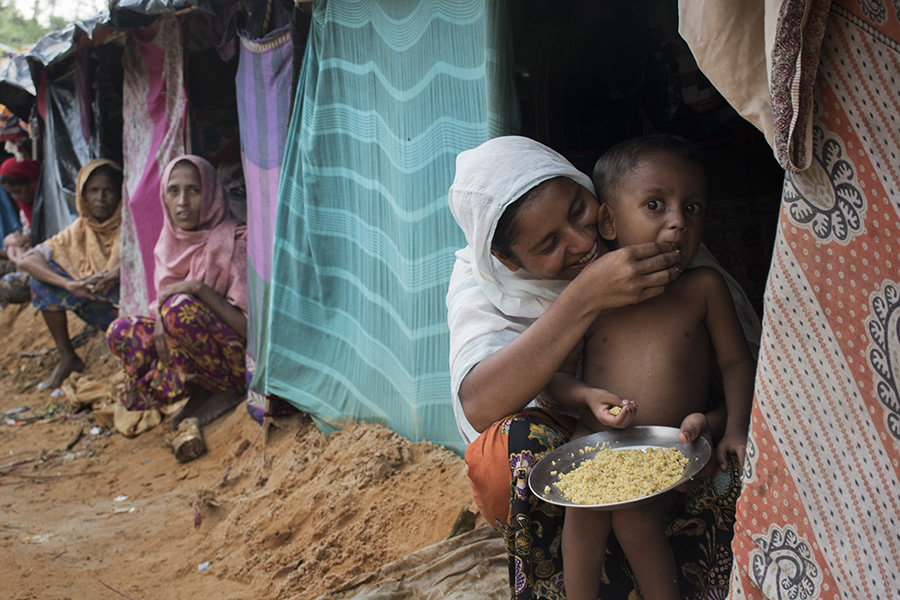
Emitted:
pixel 193 344
pixel 523 292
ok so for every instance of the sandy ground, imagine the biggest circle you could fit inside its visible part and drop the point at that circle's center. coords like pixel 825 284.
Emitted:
pixel 280 513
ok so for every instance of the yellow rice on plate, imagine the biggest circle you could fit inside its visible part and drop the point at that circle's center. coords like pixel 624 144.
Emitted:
pixel 613 476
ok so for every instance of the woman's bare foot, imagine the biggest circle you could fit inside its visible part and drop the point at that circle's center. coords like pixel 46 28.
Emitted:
pixel 66 366
pixel 206 406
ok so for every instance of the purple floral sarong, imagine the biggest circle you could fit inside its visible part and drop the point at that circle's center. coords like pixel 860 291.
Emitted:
pixel 204 352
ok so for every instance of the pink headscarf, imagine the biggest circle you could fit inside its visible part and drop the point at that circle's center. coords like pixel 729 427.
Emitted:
pixel 214 253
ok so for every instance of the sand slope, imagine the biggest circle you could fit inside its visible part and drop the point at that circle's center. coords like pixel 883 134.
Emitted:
pixel 282 513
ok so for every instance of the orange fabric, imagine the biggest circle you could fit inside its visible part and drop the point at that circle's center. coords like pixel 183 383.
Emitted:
pixel 490 476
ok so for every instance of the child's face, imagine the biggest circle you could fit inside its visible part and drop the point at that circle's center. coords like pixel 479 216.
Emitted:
pixel 663 199
pixel 556 232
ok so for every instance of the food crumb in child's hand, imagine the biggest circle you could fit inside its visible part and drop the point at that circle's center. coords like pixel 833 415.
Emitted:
pixel 615 410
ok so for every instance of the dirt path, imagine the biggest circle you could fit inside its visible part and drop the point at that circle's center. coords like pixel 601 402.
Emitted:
pixel 287 514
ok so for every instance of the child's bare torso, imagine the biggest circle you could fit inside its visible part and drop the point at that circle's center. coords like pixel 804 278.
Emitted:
pixel 656 353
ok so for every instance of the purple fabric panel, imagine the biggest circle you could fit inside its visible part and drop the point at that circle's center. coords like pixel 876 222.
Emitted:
pixel 261 218
pixel 264 75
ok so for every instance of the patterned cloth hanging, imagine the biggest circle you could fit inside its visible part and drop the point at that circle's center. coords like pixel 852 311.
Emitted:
pixel 818 514
pixel 153 109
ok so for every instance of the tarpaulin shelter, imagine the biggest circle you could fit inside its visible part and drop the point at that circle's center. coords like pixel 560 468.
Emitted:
pixel 115 86
pixel 147 81
pixel 16 86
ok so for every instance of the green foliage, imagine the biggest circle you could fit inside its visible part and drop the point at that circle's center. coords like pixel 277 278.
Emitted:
pixel 15 30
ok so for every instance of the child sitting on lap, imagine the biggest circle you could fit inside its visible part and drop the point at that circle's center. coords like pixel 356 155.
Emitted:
pixel 653 358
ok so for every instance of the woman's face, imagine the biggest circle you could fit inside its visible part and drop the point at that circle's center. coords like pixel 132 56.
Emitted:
pixel 556 232
pixel 184 196
pixel 21 193
pixel 101 196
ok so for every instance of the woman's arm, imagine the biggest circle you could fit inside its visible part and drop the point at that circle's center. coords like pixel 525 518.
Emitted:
pixel 104 280
pixel 15 245
pixel 232 316
pixel 505 382
pixel 35 265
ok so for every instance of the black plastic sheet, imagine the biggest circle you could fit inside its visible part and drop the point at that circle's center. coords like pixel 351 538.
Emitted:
pixel 65 150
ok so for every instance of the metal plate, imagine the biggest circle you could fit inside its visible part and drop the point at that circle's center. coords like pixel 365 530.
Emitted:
pixel 566 458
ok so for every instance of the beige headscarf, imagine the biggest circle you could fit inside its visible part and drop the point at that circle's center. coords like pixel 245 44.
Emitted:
pixel 87 247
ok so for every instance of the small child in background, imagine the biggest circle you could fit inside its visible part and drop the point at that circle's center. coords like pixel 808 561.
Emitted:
pixel 652 359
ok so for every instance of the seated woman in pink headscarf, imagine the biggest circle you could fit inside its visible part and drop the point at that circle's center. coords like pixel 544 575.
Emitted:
pixel 193 345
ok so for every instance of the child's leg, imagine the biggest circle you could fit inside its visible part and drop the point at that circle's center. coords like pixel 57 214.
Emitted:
pixel 585 532
pixel 584 537
pixel 642 534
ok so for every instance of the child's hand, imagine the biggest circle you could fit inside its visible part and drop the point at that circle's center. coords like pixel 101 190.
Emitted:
pixel 609 409
pixel 731 444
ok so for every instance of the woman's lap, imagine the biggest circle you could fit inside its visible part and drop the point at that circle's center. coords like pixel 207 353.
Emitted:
pixel 100 312
pixel 203 350
pixel 147 384
pixel 498 465
pixel 700 527
pixel 204 345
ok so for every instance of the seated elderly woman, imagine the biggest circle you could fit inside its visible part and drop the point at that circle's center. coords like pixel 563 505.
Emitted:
pixel 18 184
pixel 78 268
pixel 193 345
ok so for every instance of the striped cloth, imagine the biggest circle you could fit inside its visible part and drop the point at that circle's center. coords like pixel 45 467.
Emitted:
pixel 818 515
pixel 263 82
pixel 389 93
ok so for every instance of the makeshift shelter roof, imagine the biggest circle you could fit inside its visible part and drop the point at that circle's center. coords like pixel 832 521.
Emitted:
pixel 19 76
pixel 17 89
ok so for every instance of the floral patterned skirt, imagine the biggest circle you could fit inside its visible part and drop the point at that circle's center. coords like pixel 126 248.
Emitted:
pixel 204 351
pixel 700 526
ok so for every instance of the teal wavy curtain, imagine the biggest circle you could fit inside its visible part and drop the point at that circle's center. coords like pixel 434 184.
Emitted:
pixel 390 92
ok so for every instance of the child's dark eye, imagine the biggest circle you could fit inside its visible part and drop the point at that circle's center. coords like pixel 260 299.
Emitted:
pixel 653 204
pixel 693 209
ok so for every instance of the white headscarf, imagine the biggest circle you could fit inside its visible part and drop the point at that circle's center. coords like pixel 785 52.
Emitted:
pixel 488 179
pixel 488 305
